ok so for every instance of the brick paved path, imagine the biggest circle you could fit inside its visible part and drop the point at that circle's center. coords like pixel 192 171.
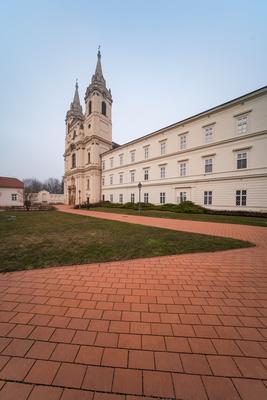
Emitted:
pixel 177 327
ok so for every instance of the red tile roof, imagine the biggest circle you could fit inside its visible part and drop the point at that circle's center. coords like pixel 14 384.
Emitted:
pixel 11 183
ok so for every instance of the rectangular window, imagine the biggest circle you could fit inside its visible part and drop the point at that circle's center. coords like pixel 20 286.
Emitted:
pixel 208 165
pixel 146 152
pixel 183 142
pixel 121 198
pixel 132 197
pixel 111 179
pixel 146 197
pixel 132 156
pixel 241 197
pixel 182 169
pixel 182 197
pixel 208 131
pixel 121 159
pixel 162 172
pixel 88 182
pixel 14 197
pixel 121 178
pixel 111 198
pixel 241 160
pixel 242 124
pixel 132 176
pixel 111 162
pixel 146 174
pixel 162 198
pixel 208 197
pixel 103 165
pixel 162 148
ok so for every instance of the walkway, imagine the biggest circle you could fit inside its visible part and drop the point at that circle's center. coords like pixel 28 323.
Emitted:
pixel 177 327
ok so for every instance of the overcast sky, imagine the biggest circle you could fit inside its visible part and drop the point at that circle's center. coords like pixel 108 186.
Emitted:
pixel 163 60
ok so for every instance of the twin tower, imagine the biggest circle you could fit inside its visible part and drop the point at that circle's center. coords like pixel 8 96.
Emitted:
pixel 88 134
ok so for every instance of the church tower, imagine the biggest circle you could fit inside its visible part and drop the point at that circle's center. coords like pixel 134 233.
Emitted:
pixel 87 137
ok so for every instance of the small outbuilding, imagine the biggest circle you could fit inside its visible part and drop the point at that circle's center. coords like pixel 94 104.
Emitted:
pixel 11 192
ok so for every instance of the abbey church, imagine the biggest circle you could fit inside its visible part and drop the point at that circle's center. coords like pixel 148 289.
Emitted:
pixel 217 158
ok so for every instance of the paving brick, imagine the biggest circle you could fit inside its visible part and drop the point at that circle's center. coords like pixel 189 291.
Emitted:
pixel 89 355
pixel 168 362
pixel 119 327
pixel 223 366
pixel 75 394
pixel 251 349
pixel 14 390
pixel 127 381
pixel 21 331
pixel 45 393
pixel 41 350
pixel 251 367
pixel 195 364
pixel 158 384
pixel 140 359
pixel 98 378
pixel 42 372
pixel 70 375
pixel 78 323
pixel 84 337
pixel 250 389
pixel 220 388
pixel 16 369
pixel 65 352
pixel 226 347
pixel 98 325
pixel 153 342
pixel 140 328
pixel 201 346
pixel 42 333
pixel 189 387
pixel 115 358
pixel 18 347
pixel 129 341
pixel 177 344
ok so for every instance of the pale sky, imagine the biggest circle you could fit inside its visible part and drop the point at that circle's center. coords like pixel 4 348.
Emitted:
pixel 164 60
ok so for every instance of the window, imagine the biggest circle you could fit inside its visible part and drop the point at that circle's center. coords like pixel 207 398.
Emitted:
pixel 111 162
pixel 90 107
pixel 132 197
pixel 103 181
pixel 88 183
pixel 183 142
pixel 146 174
pixel 182 197
pixel 73 160
pixel 183 169
pixel 121 198
pixel 145 197
pixel 103 165
pixel 208 165
pixel 241 197
pixel 241 160
pixel 242 124
pixel 111 179
pixel 162 172
pixel 162 198
pixel 14 197
pixel 121 159
pixel 104 108
pixel 208 130
pixel 146 152
pixel 207 197
pixel 121 178
pixel 132 156
pixel 111 198
pixel 132 174
pixel 89 158
pixel 162 148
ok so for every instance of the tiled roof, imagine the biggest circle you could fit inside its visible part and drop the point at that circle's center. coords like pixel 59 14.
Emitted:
pixel 11 183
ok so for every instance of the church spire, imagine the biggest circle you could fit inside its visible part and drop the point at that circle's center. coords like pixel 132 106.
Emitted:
pixel 75 107
pixel 98 75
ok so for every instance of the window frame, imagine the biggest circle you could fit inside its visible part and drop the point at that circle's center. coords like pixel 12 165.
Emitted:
pixel 183 141
pixel 208 165
pixel 14 197
pixel 162 197
pixel 132 155
pixel 133 198
pixel 208 197
pixel 163 172
pixel 121 177
pixel 183 168
pixel 163 148
pixel 241 197
pixel 132 176
pixel 209 133
pixel 182 197
pixel 146 174
pixel 241 160
pixel 146 197
pixel 146 152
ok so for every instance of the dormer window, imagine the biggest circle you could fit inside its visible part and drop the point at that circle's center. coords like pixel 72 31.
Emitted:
pixel 104 108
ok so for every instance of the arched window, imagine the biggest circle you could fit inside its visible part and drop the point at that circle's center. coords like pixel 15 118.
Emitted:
pixel 90 107
pixel 89 157
pixel 73 159
pixel 104 108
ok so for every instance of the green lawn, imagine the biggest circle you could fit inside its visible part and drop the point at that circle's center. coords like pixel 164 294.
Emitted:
pixel 49 238
pixel 227 219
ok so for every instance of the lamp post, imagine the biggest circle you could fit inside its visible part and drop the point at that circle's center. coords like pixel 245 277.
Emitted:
pixel 139 187
pixel 79 198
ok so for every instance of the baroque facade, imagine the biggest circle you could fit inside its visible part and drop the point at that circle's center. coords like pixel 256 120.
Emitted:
pixel 217 158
